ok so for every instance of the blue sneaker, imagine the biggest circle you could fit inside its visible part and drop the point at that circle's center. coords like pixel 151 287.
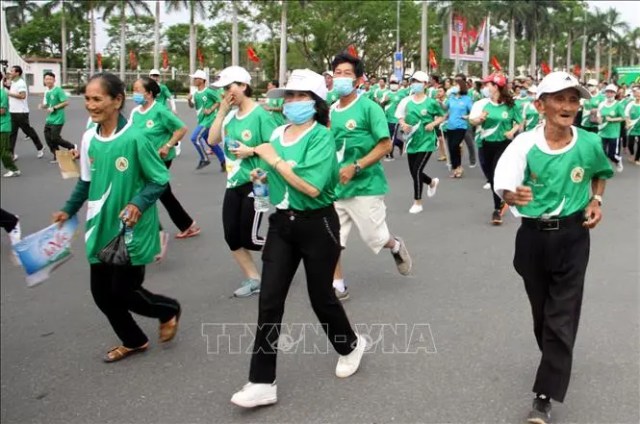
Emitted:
pixel 247 288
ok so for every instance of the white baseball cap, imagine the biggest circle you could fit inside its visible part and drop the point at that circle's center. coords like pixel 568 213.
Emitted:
pixel 420 76
pixel 233 74
pixel 611 87
pixel 302 80
pixel 533 89
pixel 330 73
pixel 393 78
pixel 558 81
pixel 592 82
pixel 199 74
pixel 154 72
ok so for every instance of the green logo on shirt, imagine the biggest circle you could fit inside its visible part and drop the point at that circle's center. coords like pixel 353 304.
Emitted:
pixel 149 124
pixel 351 124
pixel 122 164
pixel 246 135
pixel 577 174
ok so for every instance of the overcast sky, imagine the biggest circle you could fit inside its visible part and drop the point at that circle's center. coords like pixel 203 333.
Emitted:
pixel 630 11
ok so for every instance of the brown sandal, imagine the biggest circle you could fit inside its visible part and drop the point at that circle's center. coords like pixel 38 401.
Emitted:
pixel 169 329
pixel 118 353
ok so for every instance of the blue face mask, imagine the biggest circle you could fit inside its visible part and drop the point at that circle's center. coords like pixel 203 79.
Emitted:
pixel 485 92
pixel 343 86
pixel 417 87
pixel 455 90
pixel 523 93
pixel 139 99
pixel 299 112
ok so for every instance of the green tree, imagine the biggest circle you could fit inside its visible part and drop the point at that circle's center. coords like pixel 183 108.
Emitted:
pixel 137 39
pixel 69 9
pixel 196 9
pixel 616 26
pixel 18 12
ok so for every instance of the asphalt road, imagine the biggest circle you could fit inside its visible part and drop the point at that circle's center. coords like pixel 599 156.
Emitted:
pixel 470 356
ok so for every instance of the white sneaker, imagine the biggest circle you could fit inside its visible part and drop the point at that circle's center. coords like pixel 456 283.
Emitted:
pixel 349 364
pixel 15 157
pixel 40 153
pixel 256 394
pixel 15 235
pixel 178 149
pixel 619 166
pixel 486 186
pixel 415 208
pixel 431 188
pixel 12 174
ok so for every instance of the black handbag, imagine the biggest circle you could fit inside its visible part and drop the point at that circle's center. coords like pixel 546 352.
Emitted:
pixel 116 253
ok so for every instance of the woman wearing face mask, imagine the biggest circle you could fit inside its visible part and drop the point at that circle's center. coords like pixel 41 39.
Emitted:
pixel 498 126
pixel 121 177
pixel 165 130
pixel 302 171
pixel 527 115
pixel 390 103
pixel 458 105
pixel 249 124
pixel 610 117
pixel 418 117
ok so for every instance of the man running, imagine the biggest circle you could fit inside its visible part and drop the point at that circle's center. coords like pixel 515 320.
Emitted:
pixel 19 110
pixel 165 94
pixel 55 100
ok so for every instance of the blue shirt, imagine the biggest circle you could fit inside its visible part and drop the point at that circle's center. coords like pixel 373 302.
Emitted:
pixel 457 108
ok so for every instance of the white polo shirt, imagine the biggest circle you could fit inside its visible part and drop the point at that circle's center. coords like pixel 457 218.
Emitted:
pixel 18 105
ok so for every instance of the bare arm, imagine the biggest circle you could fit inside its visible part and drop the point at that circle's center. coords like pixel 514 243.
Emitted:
pixel 269 155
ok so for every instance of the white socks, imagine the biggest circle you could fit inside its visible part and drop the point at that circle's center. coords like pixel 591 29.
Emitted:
pixel 339 285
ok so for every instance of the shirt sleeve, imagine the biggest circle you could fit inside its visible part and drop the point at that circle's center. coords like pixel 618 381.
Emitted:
pixel 171 121
pixel 152 166
pixel 62 96
pixel 85 162
pixel 378 123
pixel 319 161
pixel 511 166
pixel 401 110
pixel 476 109
pixel 434 108
pixel 267 126
pixel 601 165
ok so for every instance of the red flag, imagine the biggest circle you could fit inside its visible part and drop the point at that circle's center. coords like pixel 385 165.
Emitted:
pixel 133 61
pixel 496 64
pixel 200 58
pixel 99 57
pixel 352 50
pixel 165 59
pixel 251 54
pixel 605 73
pixel 545 68
pixel 577 71
pixel 432 59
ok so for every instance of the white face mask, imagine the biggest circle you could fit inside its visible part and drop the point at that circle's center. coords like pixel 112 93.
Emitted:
pixel 394 87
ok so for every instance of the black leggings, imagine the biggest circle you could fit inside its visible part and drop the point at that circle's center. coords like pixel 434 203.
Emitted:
pixel 491 152
pixel 454 138
pixel 417 162
pixel 8 221
pixel 176 212
pixel 240 220
pixel 634 146
pixel 394 130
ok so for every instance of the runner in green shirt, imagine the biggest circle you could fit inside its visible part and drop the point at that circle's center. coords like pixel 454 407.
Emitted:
pixel 590 107
pixel 55 100
pixel 165 94
pixel 390 103
pixel 165 130
pixel 632 118
pixel 380 92
pixel 247 123
pixel 554 177
pixel 302 172
pixel 5 131
pixel 332 96
pixel 527 115
pixel 122 176
pixel 610 118
pixel 273 105
pixel 360 129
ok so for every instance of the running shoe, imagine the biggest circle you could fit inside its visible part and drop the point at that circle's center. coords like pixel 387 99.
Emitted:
pixel 256 394
pixel 349 364
pixel 540 412
pixel 12 174
pixel 40 154
pixel 15 157
pixel 486 186
pixel 202 164
pixel 342 296
pixel 247 288
pixel 496 218
pixel 431 188
pixel 619 166
pixel 473 165
pixel 415 209
pixel 402 258
pixel 178 149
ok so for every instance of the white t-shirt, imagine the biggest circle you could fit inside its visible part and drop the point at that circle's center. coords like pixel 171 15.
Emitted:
pixel 18 105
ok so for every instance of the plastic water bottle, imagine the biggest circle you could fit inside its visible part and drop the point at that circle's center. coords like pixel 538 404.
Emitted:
pixel 128 231
pixel 260 194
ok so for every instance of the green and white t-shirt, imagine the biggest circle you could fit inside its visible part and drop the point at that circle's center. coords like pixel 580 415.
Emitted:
pixel 158 123
pixel 500 120
pixel 252 129
pixel 587 106
pixel 610 110
pixel 357 129
pixel 560 180
pixel 332 97
pixel 527 114
pixel 278 117
pixel 380 94
pixel 5 120
pixel 52 98
pixel 117 168
pixel 418 115
pixel 164 95
pixel 205 99
pixel 632 112
pixel 313 158
pixel 390 108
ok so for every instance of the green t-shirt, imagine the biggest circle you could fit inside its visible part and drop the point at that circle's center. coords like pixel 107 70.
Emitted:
pixel 404 92
pixel 587 105
pixel 613 110
pixel 632 112
pixel 118 168
pixel 278 117
pixel 499 121
pixel 332 97
pixel 54 97
pixel 527 114
pixel 5 120
pixel 418 115
pixel 392 105
pixel 475 96
pixel 313 158
pixel 164 95
pixel 205 99
pixel 379 94
pixel 357 129
pixel 560 180
pixel 158 123
pixel 252 129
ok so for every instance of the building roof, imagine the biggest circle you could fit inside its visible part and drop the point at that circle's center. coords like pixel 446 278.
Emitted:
pixel 35 59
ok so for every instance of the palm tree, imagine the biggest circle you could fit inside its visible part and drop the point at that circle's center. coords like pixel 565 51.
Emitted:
pixel 538 20
pixel 122 6
pixel 156 46
pixel 614 22
pixel 17 11
pixel 196 8
pixel 598 32
pixel 634 44
pixel 514 14
pixel 69 8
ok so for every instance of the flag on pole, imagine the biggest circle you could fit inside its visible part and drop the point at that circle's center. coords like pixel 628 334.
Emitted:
pixel 133 61
pixel 352 50
pixel 165 59
pixel 577 71
pixel 479 42
pixel 200 58
pixel 495 64
pixel 99 58
pixel 433 63
pixel 251 54
pixel 544 67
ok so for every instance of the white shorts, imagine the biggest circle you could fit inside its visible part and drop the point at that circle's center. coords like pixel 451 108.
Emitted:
pixel 369 214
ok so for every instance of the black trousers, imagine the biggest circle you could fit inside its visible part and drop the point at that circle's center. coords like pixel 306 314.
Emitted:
pixel 8 221
pixel 314 240
pixel 417 162
pixel 176 212
pixel 54 139
pixel 454 138
pixel 396 142
pixel 240 220
pixel 491 152
pixel 611 148
pixel 118 291
pixel 21 121
pixel 553 266
pixel 634 146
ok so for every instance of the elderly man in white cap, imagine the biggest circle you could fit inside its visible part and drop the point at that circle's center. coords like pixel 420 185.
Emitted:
pixel 165 94
pixel 553 177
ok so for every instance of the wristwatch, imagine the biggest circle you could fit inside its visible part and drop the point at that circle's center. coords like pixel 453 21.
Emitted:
pixel 598 198
pixel 357 167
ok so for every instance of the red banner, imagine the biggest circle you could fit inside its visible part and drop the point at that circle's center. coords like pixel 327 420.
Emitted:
pixel 352 50
pixel 99 59
pixel 545 68
pixel 200 58
pixel 495 64
pixel 433 63
pixel 251 54
pixel 577 71
pixel 165 59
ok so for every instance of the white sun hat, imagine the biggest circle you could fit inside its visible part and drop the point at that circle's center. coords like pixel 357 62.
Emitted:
pixel 302 80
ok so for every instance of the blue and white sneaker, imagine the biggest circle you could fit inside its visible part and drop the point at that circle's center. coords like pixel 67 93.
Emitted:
pixel 247 288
